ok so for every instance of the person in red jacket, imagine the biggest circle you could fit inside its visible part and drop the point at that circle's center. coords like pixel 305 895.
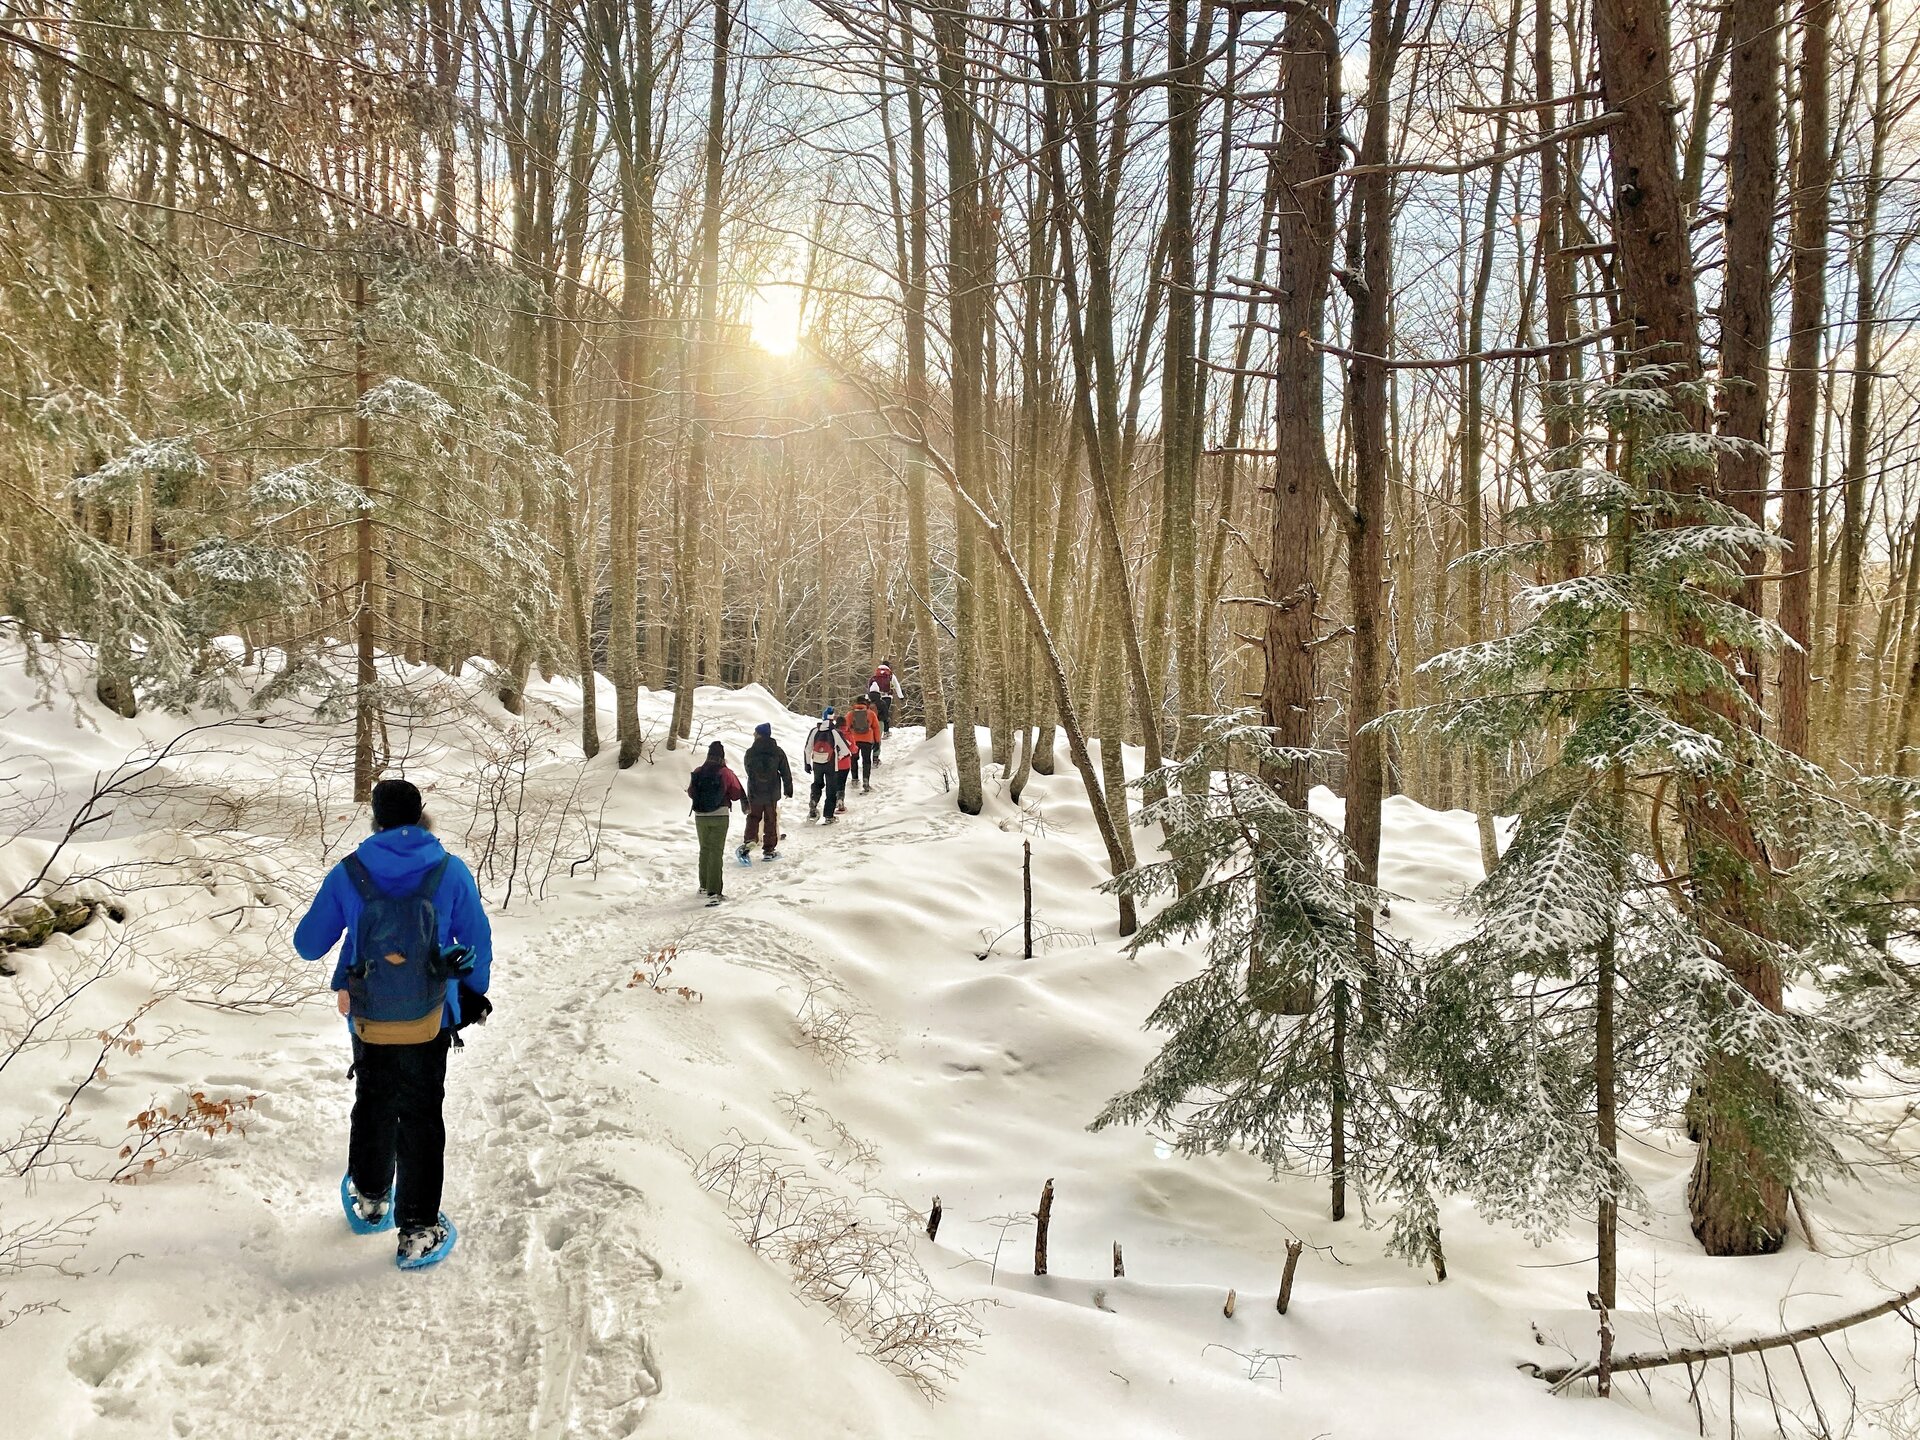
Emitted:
pixel 882 690
pixel 714 791
pixel 863 733
pixel 849 759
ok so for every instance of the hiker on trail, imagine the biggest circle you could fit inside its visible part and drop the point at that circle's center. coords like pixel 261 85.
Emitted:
pixel 864 732
pixel 713 790
pixel 883 689
pixel 414 969
pixel 849 759
pixel 826 755
pixel 769 777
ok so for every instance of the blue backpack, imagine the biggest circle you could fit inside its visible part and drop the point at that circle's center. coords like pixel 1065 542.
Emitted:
pixel 398 971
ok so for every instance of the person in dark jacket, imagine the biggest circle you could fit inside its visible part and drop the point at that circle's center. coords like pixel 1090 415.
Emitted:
pixel 714 790
pixel 769 779
pixel 400 1067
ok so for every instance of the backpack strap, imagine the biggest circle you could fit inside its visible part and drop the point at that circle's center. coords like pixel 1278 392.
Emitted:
pixel 431 883
pixel 362 879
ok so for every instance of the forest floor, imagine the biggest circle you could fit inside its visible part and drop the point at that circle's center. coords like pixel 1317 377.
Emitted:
pixel 834 1047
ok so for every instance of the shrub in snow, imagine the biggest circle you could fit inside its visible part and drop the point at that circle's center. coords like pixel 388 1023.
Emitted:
pixel 852 1253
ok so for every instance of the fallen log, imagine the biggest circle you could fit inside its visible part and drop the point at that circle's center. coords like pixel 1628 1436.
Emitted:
pixel 1559 1376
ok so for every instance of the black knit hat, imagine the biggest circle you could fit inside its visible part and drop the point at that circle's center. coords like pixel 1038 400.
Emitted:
pixel 396 803
pixel 716 751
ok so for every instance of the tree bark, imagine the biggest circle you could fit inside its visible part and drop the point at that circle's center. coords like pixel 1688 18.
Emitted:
pixel 1811 203
pixel 1738 1193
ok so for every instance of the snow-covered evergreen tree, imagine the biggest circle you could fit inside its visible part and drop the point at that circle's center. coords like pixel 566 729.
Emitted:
pixel 1592 987
pixel 1310 1092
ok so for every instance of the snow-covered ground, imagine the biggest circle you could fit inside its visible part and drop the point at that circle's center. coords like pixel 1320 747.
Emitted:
pixel 839 1008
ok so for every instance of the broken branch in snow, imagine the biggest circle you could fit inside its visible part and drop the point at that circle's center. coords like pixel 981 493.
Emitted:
pixel 1286 1276
pixel 1560 1376
pixel 1043 1217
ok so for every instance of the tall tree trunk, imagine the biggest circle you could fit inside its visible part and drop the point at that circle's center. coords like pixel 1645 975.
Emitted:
pixel 626 74
pixel 1738 1193
pixel 1369 289
pixel 1307 152
pixel 1556 267
pixel 366 766
pixel 1473 432
pixel 696 521
pixel 967 277
pixel 1746 296
pixel 1182 396
pixel 1853 480
pixel 913 279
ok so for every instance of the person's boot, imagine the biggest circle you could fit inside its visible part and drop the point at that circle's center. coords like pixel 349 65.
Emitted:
pixel 813 810
pixel 426 1245
pixel 366 1214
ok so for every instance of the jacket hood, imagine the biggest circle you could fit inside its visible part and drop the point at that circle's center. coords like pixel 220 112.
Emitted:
pixel 397 858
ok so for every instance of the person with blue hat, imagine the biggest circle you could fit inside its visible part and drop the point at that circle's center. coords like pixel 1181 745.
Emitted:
pixel 415 962
pixel 769 779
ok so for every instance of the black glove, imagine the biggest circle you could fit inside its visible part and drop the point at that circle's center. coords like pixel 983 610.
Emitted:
pixel 455 961
pixel 474 1007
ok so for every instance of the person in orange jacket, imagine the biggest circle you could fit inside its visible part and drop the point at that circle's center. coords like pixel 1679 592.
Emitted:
pixel 863 733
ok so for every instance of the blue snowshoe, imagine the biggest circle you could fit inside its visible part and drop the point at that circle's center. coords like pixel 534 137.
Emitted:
pixel 743 855
pixel 421 1248
pixel 365 1216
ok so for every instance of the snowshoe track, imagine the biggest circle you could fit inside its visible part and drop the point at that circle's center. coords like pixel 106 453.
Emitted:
pixel 534 1326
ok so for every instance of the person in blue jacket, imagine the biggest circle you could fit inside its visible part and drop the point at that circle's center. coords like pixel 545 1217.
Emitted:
pixel 400 1067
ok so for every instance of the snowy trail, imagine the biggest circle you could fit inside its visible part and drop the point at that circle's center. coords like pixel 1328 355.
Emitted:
pixel 540 1323
pixel 536 1324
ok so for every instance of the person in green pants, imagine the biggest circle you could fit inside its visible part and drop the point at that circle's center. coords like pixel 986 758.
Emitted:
pixel 714 791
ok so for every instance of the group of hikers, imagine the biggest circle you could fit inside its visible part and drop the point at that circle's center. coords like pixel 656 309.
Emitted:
pixel 839 749
pixel 416 954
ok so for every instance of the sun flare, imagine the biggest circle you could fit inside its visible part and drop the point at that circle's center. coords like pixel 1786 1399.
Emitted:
pixel 773 318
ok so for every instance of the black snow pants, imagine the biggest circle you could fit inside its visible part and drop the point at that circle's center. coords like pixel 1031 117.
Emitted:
pixel 397 1094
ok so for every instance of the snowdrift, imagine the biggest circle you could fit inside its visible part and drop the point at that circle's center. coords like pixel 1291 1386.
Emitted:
pixel 806 1068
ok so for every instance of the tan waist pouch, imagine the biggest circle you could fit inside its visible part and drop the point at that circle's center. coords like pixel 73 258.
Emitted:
pixel 401 1032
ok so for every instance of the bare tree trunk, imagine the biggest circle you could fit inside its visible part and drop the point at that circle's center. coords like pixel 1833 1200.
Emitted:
pixel 1556 267
pixel 1182 395
pixel 1368 287
pixel 1309 150
pixel 932 684
pixel 967 272
pixel 695 519
pixel 366 767
pixel 626 73
pixel 1746 299
pixel 1853 480
pixel 1473 433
